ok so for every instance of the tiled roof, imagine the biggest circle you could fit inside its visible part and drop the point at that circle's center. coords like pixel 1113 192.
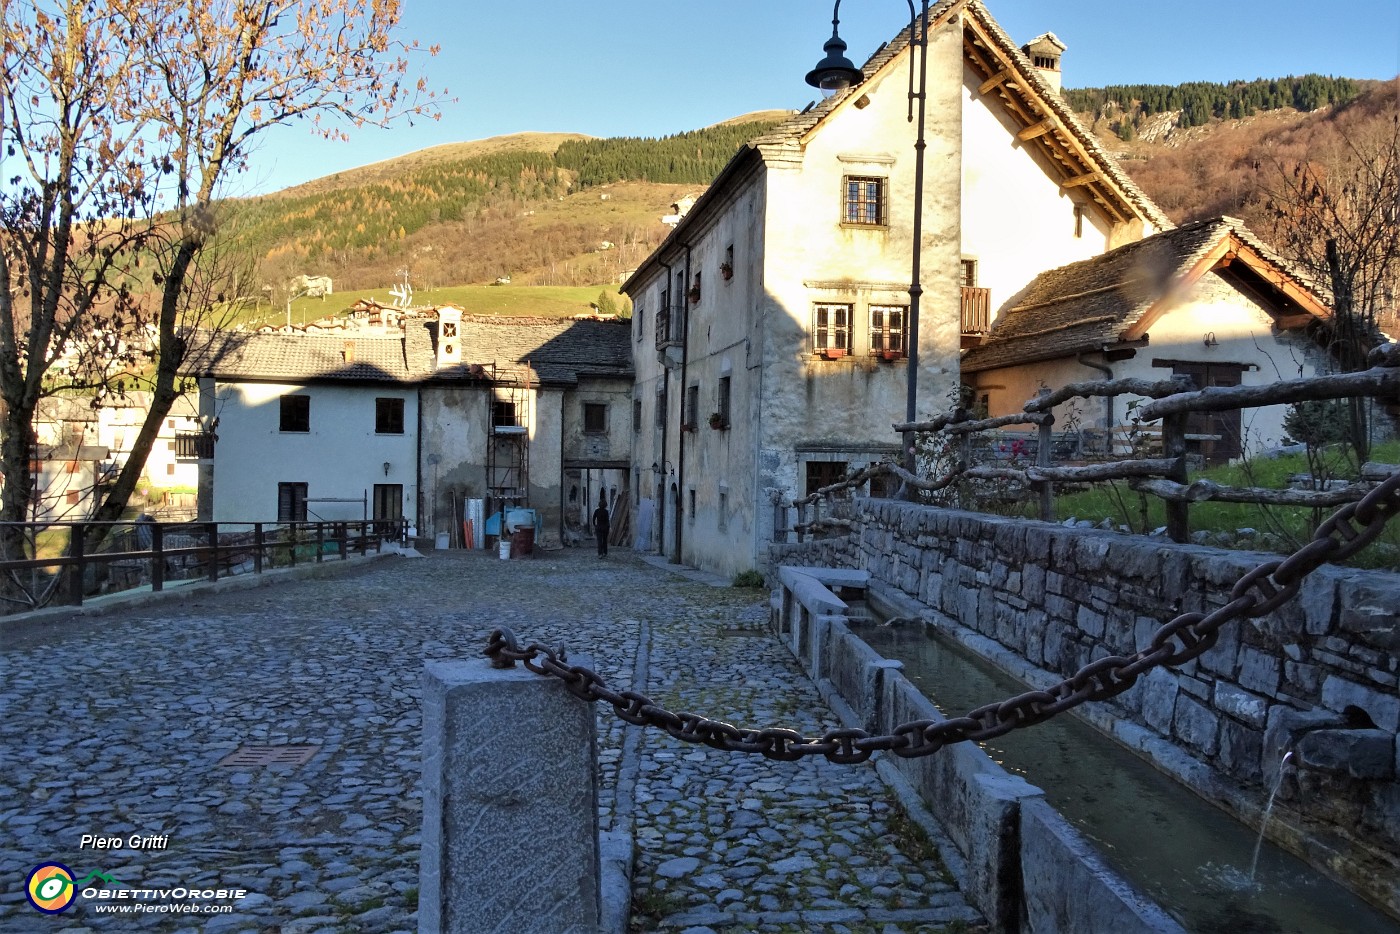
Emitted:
pixel 557 350
pixel 303 357
pixel 1087 305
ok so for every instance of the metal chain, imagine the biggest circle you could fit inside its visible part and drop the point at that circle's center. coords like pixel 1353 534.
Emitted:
pixel 1258 592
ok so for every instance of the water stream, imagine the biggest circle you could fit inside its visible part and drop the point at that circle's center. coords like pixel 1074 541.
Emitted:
pixel 1212 873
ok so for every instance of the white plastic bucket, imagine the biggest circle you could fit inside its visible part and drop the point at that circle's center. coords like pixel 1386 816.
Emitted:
pixel 442 538
pixel 505 550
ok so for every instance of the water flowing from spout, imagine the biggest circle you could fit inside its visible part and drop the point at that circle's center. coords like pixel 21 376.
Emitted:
pixel 1268 809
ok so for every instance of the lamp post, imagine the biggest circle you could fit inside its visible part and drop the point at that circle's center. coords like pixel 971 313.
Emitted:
pixel 835 73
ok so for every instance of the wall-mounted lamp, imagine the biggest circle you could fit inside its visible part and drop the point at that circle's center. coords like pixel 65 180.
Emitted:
pixel 386 468
pixel 1210 340
pixel 658 469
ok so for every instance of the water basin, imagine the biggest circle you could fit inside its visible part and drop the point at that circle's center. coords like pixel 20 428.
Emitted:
pixel 1192 858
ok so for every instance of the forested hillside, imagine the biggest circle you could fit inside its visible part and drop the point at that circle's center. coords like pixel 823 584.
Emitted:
pixel 1128 105
pixel 535 216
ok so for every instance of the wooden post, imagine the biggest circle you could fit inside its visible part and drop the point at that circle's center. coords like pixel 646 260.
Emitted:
pixel 1043 459
pixel 292 538
pixel 258 544
pixel 1174 445
pixel 212 530
pixel 320 541
pixel 77 533
pixel 157 557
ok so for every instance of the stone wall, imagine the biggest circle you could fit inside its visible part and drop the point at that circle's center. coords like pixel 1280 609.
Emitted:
pixel 1317 678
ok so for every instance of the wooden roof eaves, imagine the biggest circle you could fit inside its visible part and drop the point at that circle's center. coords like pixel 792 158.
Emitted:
pixel 1074 139
pixel 1230 248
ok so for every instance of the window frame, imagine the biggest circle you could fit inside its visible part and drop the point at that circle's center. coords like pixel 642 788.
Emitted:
pixel 294 409
pixel 882 333
pixel 723 401
pixel 287 492
pixel 388 411
pixel 595 418
pixel 822 333
pixel 814 468
pixel 691 418
pixel 856 202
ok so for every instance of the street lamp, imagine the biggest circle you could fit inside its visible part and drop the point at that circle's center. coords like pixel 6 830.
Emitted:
pixel 836 73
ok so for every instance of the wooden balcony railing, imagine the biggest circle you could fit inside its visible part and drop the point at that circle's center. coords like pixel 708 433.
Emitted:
pixel 976 311
pixel 670 327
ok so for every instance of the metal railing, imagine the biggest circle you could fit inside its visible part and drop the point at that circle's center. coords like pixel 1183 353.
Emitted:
pixel 138 553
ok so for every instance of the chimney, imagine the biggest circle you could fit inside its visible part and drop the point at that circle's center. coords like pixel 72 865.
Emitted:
pixel 1044 51
pixel 449 347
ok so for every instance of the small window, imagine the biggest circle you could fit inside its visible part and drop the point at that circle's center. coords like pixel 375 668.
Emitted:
pixel 864 202
pixel 170 445
pixel 692 505
pixel 887 329
pixel 692 407
pixel 636 414
pixel 296 413
pixel 449 329
pixel 503 414
pixel 595 417
pixel 883 486
pixel 663 406
pixel 170 423
pixel 969 273
pixel 170 470
pixel 824 473
pixel 722 403
pixel 831 328
pixel 723 510
pixel 638 314
pixel 726 268
pixel 71 497
pixel 388 416
pixel 291 502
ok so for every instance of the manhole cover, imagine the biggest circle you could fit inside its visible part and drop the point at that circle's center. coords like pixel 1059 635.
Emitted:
pixel 269 755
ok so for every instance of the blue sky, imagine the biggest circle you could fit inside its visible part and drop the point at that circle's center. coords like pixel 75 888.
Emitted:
pixel 655 67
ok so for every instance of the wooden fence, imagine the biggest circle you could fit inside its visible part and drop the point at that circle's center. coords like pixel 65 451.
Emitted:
pixel 1172 401
pixel 138 553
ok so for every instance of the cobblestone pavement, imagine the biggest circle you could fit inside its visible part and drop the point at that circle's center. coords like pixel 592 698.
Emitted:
pixel 116 725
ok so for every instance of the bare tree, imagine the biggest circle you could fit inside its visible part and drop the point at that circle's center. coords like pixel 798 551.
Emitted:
pixel 1336 212
pixel 121 124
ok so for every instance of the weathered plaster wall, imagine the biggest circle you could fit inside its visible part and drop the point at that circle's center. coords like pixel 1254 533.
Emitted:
pixel 842 410
pixel 454 427
pixel 1016 219
pixel 340 457
pixel 1297 679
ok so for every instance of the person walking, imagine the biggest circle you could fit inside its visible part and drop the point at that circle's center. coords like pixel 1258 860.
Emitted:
pixel 601 524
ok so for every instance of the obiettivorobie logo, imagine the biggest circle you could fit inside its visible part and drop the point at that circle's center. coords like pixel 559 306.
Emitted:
pixel 51 888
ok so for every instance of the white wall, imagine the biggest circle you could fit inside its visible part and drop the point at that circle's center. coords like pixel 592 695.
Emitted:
pixel 340 457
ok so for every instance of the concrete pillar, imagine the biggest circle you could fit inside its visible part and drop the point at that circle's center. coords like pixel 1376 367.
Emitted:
pixel 510 803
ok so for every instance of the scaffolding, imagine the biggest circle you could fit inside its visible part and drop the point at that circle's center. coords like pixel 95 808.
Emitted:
pixel 508 446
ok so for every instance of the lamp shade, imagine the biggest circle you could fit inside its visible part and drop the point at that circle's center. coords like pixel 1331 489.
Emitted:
pixel 835 72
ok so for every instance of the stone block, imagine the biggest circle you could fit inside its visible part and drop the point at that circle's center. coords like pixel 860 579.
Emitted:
pixel 1367 755
pixel 1260 671
pixel 1241 751
pixel 510 758
pixel 1373 625
pixel 1159 699
pixel 1382 707
pixel 1090 623
pixel 1196 725
pixel 1068 888
pixel 1236 702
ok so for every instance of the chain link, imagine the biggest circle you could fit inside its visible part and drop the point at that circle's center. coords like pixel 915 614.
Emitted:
pixel 1187 636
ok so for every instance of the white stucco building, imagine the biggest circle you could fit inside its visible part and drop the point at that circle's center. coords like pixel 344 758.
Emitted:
pixel 413 424
pixel 780 302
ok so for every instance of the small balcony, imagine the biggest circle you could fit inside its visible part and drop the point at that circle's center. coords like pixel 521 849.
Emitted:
pixel 191 445
pixel 976 315
pixel 670 327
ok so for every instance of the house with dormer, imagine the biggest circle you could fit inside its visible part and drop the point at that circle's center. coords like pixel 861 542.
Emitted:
pixel 771 327
pixel 414 423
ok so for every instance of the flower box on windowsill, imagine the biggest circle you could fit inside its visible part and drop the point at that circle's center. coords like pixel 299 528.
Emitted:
pixel 833 353
pixel 694 296
pixel 717 422
pixel 687 427
pixel 727 271
pixel 888 355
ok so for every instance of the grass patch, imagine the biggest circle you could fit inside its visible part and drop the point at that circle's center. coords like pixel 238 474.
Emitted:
pixel 654 906
pixel 1279 528
pixel 749 578
pixel 911 838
